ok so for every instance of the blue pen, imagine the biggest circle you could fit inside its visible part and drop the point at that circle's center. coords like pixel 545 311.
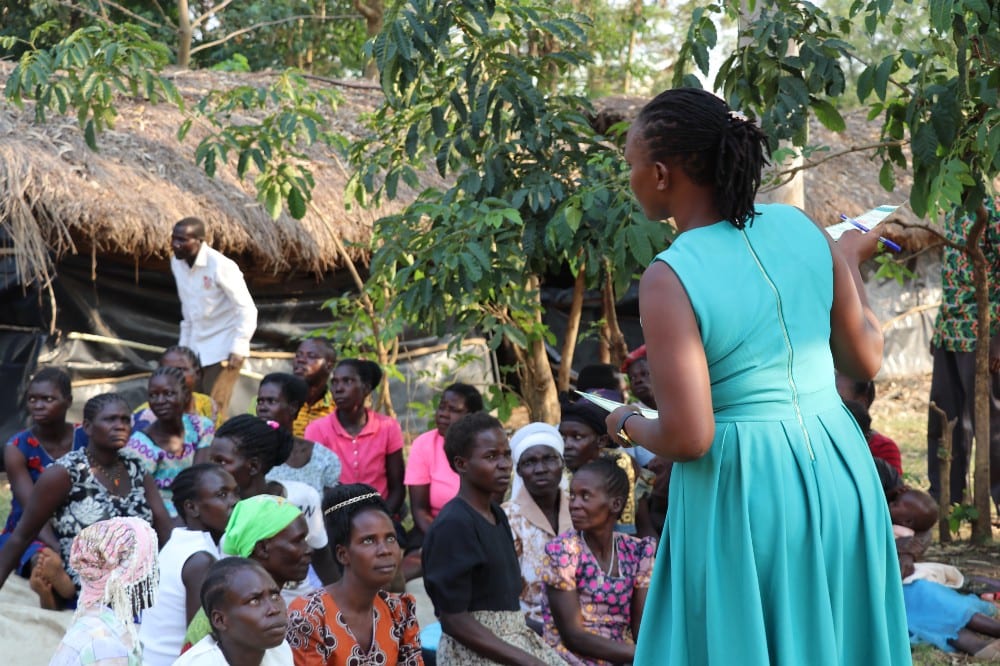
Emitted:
pixel 885 241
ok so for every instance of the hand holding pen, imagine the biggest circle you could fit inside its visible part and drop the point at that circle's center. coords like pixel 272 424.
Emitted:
pixel 885 241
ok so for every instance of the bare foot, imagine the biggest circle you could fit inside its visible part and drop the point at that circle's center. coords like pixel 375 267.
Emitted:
pixel 51 567
pixel 43 588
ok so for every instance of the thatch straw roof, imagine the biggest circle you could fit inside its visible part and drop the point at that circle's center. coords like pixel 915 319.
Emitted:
pixel 57 196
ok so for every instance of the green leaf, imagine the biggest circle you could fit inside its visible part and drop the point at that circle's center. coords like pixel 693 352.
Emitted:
pixel 882 73
pixel 827 114
pixel 296 204
pixel 573 217
pixel 90 135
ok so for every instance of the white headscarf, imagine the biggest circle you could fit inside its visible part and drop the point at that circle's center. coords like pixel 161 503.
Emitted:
pixel 533 434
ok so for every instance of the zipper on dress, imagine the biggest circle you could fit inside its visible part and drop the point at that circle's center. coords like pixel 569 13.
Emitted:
pixel 788 345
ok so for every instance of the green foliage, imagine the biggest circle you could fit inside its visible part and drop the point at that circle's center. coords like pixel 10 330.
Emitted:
pixel 532 186
pixel 86 70
pixel 961 513
pixel 234 63
pixel 939 92
pixel 274 144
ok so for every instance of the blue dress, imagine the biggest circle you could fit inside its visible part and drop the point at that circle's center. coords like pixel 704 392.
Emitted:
pixel 778 547
pixel 37 459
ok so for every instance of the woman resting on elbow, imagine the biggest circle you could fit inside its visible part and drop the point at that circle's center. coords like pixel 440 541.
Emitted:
pixel 596 579
pixel 471 570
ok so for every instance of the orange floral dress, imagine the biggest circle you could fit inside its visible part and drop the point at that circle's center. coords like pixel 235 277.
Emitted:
pixel 319 635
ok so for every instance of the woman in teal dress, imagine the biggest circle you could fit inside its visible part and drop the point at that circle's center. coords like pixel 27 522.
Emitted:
pixel 778 546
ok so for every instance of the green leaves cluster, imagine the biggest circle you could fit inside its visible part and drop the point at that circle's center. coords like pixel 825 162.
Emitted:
pixel 939 92
pixel 470 94
pixel 281 121
pixel 85 72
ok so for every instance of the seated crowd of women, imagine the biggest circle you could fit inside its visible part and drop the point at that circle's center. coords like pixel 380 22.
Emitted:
pixel 306 533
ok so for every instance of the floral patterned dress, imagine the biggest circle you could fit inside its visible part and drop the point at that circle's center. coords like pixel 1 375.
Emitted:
pixel 605 601
pixel 319 635
pixel 89 502
pixel 164 466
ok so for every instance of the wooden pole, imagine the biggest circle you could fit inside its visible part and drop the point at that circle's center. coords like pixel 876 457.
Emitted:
pixel 944 472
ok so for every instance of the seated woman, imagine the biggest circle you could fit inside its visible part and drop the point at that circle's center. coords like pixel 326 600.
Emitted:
pixel 87 486
pixel 279 398
pixel 27 454
pixel 429 478
pixel 176 440
pixel 205 495
pixel 471 570
pixel 585 436
pixel 270 530
pixel 596 579
pixel 247 615
pixel 248 448
pixel 117 564
pixel 355 620
pixel 538 509
pixel 199 404
pixel 368 444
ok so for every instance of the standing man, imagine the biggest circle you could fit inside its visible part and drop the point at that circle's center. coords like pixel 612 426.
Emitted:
pixel 314 361
pixel 953 348
pixel 219 316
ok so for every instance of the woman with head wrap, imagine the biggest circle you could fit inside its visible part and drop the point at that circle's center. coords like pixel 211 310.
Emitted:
pixel 270 530
pixel 538 509
pixel 116 563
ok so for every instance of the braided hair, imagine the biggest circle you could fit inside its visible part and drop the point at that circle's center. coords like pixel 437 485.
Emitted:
pixel 219 579
pixel 185 485
pixel 94 406
pixel 177 375
pixel 715 147
pixel 342 503
pixel 615 479
pixel 188 353
pixel 368 372
pixel 56 376
pixel 255 438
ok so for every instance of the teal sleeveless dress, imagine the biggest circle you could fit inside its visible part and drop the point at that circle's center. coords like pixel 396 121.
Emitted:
pixel 778 547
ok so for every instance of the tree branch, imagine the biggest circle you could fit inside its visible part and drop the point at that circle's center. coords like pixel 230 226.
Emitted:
pixel 337 82
pixel 367 12
pixel 165 16
pixel 787 175
pixel 243 31
pixel 209 13
pixel 124 10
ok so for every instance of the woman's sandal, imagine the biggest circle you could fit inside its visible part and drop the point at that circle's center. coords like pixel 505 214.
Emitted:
pixel 989 653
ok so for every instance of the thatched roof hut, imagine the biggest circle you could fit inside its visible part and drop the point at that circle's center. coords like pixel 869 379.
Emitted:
pixel 59 197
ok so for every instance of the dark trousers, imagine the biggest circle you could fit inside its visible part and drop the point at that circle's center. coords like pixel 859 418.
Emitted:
pixel 953 390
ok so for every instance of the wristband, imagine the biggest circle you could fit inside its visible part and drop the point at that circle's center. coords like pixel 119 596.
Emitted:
pixel 622 435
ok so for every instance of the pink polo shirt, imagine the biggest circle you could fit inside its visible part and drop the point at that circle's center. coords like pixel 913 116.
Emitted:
pixel 427 465
pixel 362 456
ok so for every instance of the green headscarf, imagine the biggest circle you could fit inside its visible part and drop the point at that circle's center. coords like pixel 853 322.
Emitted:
pixel 255 519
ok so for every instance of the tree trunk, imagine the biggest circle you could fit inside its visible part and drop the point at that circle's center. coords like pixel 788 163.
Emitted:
pixel 538 386
pixel 982 528
pixel 944 473
pixel 374 13
pixel 572 329
pixel 184 34
pixel 616 339
pixel 633 37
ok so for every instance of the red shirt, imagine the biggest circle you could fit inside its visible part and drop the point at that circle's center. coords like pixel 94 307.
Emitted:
pixel 362 456
pixel 886 449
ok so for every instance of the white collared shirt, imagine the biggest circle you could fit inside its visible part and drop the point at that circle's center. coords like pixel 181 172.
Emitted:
pixel 219 316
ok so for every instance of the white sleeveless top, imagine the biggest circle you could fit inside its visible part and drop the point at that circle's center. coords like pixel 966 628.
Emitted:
pixel 164 623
